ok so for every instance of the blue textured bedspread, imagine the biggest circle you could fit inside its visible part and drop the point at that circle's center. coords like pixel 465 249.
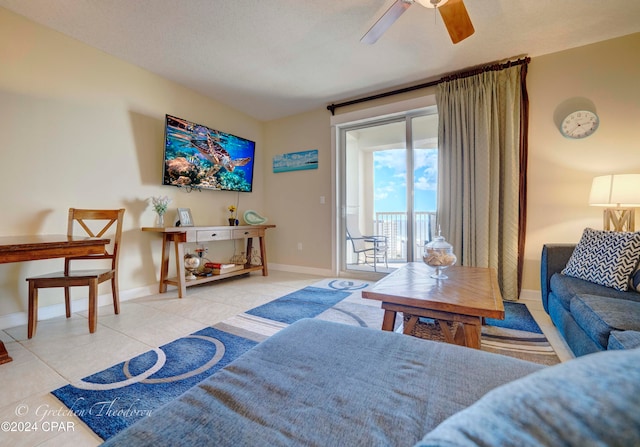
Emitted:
pixel 317 383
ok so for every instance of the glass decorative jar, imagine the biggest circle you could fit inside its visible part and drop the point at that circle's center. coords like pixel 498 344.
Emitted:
pixel 191 264
pixel 240 259
pixel 439 255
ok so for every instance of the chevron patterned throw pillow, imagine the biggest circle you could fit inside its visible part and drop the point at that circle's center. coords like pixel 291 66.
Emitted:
pixel 605 257
pixel 634 282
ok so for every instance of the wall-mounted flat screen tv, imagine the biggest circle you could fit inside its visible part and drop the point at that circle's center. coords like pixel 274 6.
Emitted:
pixel 198 157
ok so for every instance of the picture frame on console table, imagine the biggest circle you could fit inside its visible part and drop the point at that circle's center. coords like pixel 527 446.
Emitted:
pixel 184 217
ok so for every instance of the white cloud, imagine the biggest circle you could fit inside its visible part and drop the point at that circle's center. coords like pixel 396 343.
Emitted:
pixel 392 159
pixel 425 183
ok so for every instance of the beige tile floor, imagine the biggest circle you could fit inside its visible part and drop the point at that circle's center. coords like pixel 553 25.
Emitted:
pixel 63 351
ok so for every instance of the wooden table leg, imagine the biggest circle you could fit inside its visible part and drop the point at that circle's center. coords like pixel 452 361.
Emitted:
pixel 263 255
pixel 410 325
pixel 449 337
pixel 460 329
pixel 472 333
pixel 249 250
pixel 164 263
pixel 4 355
pixel 459 338
pixel 389 320
pixel 462 334
pixel 182 287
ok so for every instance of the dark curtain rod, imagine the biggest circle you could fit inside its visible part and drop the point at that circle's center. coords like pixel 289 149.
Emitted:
pixel 465 74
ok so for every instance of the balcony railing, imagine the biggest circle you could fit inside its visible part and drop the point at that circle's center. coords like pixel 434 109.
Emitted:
pixel 394 226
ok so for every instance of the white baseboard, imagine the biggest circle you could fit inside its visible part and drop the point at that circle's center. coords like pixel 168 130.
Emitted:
pixel 299 269
pixel 78 305
pixel 531 295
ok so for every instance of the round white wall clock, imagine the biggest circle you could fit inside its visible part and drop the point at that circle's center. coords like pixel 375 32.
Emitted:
pixel 579 124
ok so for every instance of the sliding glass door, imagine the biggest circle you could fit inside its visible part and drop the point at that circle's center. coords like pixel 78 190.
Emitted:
pixel 388 180
pixel 425 180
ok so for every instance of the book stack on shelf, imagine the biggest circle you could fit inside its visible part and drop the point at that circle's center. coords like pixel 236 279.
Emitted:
pixel 220 268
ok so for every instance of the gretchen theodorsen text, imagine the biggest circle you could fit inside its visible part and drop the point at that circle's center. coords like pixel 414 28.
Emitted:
pixel 107 408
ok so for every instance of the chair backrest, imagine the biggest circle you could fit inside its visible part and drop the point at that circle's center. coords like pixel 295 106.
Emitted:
pixel 96 223
pixel 354 234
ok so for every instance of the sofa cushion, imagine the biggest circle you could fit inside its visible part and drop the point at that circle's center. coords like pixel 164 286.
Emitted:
pixel 579 342
pixel 567 287
pixel 605 257
pixel 592 400
pixel 624 340
pixel 598 316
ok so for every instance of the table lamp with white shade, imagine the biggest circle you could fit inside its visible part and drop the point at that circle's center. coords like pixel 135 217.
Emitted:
pixel 620 194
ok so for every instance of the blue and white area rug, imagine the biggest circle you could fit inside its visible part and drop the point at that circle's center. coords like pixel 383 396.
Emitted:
pixel 117 397
pixel 113 399
pixel 518 335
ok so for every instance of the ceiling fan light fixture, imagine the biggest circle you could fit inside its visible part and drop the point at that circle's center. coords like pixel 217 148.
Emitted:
pixel 431 3
pixel 454 16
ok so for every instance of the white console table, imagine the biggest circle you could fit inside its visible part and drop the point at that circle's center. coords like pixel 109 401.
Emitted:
pixel 179 236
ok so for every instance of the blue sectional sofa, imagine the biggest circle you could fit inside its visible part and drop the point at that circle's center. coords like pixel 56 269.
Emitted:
pixel 318 383
pixel 591 317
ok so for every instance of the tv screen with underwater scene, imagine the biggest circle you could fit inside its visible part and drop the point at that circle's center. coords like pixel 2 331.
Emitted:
pixel 198 157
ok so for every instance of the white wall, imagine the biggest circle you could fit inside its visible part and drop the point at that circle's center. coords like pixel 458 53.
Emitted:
pixel 80 128
pixel 605 74
pixel 293 198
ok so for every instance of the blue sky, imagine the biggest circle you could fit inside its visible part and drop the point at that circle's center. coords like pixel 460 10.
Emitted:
pixel 390 180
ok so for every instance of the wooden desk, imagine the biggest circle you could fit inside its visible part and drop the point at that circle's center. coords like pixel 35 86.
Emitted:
pixel 179 236
pixel 468 295
pixel 31 248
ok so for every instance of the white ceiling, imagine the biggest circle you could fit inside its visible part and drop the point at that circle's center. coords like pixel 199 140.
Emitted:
pixel 274 58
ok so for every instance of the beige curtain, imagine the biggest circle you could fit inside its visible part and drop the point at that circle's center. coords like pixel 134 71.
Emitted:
pixel 480 170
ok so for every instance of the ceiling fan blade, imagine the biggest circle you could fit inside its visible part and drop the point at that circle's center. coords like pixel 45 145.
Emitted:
pixel 384 22
pixel 456 19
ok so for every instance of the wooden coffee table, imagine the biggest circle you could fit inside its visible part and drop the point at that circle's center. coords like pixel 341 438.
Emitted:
pixel 467 296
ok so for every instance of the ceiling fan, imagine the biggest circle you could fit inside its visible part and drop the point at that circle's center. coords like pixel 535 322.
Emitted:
pixel 454 15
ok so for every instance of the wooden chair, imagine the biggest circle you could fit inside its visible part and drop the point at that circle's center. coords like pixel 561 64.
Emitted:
pixel 104 220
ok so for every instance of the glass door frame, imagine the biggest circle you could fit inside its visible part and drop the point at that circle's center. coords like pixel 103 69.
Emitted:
pixel 341 186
